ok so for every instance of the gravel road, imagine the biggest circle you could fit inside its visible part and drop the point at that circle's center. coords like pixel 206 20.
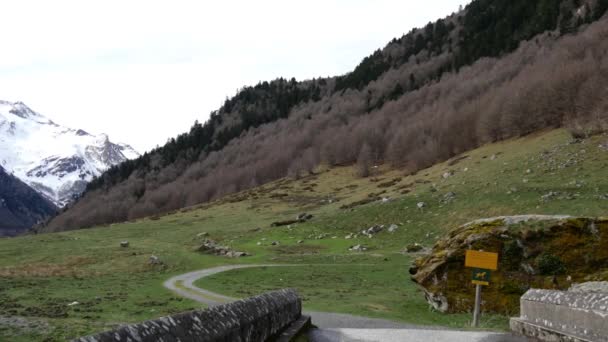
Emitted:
pixel 334 326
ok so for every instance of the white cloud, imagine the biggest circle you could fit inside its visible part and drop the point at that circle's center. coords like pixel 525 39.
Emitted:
pixel 143 71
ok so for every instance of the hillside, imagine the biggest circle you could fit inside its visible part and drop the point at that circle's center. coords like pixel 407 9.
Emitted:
pixel 544 173
pixel 488 70
pixel 20 206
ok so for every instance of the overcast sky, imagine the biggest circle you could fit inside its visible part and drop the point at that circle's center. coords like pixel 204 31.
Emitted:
pixel 143 71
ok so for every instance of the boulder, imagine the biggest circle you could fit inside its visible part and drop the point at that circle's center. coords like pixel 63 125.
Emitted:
pixel 393 228
pixel 124 244
pixel 413 248
pixel 154 260
pixel 232 254
pixel 371 231
pixel 535 251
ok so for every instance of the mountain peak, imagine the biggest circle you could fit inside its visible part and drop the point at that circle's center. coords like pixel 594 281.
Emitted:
pixel 54 160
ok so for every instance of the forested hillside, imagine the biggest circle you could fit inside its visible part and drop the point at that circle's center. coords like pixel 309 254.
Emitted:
pixel 493 71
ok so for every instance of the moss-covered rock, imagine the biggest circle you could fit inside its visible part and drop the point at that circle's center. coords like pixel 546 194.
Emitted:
pixel 534 252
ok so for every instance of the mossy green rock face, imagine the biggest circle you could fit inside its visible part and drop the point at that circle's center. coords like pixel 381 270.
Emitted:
pixel 550 252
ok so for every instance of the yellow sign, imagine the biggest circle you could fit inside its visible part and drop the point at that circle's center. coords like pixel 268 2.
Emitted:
pixel 485 260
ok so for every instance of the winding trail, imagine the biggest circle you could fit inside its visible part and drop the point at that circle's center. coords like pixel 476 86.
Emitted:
pixel 335 326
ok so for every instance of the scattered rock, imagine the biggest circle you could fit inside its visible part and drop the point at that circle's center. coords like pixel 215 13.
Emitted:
pixel 73 303
pixel 393 228
pixel 449 197
pixel 299 219
pixel 357 248
pixel 447 174
pixel 154 260
pixel 512 190
pixel 275 243
pixel 549 196
pixel 304 217
pixel 300 241
pixel 124 244
pixel 203 234
pixel 493 157
pixel 421 205
pixel 211 247
pixel 259 243
pixel 371 231
pixel 557 195
pixel 349 236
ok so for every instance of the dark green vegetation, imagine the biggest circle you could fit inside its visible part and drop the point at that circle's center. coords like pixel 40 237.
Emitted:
pixel 41 274
pixel 488 71
pixel 486 28
pixel 20 206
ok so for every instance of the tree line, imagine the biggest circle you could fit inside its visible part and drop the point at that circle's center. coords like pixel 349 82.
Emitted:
pixel 411 116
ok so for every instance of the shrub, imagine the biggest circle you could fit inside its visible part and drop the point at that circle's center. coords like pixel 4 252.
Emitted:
pixel 549 264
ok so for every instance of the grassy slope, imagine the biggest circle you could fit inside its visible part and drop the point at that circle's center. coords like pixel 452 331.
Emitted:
pixel 40 275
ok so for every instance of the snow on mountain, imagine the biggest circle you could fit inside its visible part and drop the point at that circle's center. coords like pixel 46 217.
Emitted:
pixel 54 160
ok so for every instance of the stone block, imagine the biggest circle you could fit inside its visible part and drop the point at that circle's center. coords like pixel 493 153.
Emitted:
pixel 550 315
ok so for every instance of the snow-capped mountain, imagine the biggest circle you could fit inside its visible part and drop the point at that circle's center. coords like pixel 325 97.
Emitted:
pixel 54 160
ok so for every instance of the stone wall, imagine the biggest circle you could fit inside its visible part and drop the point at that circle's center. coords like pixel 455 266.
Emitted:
pixel 551 315
pixel 254 319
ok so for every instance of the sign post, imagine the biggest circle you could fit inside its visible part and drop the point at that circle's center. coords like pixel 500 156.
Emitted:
pixel 477 309
pixel 482 263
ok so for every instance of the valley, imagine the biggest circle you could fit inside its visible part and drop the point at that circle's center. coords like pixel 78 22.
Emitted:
pixel 355 199
pixel 42 276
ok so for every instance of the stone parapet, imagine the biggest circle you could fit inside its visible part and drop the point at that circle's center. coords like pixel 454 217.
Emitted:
pixel 550 315
pixel 255 319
